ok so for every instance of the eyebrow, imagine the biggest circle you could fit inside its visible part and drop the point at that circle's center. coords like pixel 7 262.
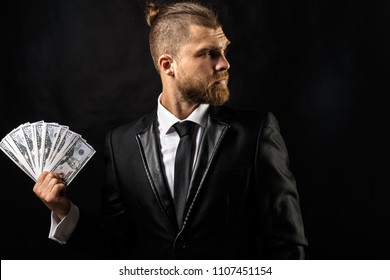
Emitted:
pixel 212 48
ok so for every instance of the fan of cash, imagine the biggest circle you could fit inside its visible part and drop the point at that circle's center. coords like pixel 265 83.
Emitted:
pixel 47 146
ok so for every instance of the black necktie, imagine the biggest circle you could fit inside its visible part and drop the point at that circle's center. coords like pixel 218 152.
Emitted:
pixel 182 167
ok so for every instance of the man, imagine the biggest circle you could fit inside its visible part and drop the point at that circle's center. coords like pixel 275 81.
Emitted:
pixel 240 201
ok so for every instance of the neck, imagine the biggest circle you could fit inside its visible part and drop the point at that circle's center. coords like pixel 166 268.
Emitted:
pixel 173 103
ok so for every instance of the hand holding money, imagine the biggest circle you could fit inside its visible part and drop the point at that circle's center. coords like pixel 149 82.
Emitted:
pixel 47 146
pixel 50 188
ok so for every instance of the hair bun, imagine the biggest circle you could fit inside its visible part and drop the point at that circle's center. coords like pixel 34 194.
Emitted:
pixel 152 10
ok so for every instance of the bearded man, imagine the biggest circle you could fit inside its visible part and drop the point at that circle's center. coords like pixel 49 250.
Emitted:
pixel 195 179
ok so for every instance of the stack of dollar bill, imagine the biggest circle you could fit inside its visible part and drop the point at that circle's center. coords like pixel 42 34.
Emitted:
pixel 47 146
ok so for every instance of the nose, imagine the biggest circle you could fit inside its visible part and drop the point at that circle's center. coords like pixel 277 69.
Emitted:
pixel 222 64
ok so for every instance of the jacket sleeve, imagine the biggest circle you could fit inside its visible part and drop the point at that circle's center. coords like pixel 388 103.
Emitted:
pixel 279 208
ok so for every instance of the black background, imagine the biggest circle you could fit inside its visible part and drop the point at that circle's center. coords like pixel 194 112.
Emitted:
pixel 321 66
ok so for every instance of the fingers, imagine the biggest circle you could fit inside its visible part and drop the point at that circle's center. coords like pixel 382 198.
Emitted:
pixel 49 186
pixel 51 180
pixel 40 180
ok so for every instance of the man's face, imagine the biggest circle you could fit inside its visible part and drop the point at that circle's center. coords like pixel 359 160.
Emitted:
pixel 73 163
pixel 201 72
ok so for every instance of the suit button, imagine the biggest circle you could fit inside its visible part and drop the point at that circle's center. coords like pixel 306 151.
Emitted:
pixel 181 245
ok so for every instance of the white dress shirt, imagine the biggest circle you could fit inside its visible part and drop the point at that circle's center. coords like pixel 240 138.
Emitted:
pixel 169 139
pixel 61 230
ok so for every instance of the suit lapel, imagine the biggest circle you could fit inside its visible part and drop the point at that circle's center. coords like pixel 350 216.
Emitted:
pixel 150 152
pixel 212 137
pixel 217 126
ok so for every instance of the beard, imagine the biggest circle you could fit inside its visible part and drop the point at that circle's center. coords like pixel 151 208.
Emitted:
pixel 197 90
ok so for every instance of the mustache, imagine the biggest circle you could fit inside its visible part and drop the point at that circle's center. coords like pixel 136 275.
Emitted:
pixel 219 76
pixel 222 75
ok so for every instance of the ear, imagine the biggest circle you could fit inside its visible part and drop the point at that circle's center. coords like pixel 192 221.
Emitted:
pixel 165 63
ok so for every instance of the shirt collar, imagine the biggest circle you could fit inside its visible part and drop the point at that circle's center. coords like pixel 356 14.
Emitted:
pixel 166 119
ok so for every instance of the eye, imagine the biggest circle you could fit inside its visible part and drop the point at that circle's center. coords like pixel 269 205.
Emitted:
pixel 214 54
pixel 204 53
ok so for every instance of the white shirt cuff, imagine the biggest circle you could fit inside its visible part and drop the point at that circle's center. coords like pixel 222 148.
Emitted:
pixel 61 230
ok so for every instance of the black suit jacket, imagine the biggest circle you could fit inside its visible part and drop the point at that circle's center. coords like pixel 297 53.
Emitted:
pixel 242 204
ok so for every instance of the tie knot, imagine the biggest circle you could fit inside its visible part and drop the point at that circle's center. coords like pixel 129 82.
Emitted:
pixel 184 128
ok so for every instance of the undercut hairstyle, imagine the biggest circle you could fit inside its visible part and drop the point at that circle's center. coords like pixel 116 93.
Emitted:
pixel 170 25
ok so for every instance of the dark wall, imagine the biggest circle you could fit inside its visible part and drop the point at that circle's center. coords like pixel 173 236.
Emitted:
pixel 321 66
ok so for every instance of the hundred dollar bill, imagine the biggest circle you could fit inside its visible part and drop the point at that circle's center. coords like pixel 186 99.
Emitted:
pixel 77 155
pixel 69 138
pixel 35 145
pixel 17 137
pixel 54 151
pixel 49 138
pixel 6 148
pixel 41 131
pixel 28 136
pixel 39 146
